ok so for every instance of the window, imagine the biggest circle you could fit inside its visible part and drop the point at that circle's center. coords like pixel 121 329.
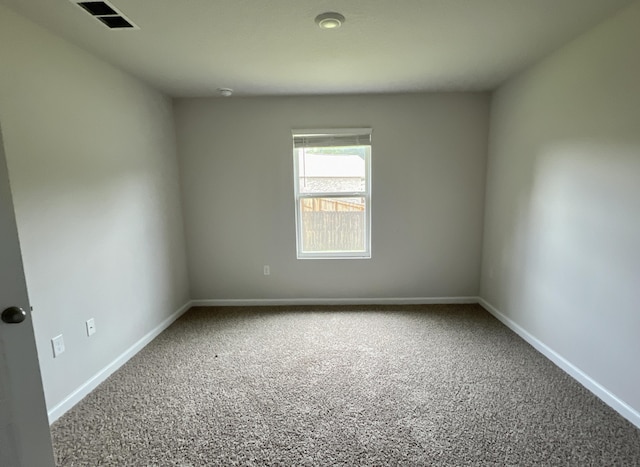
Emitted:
pixel 332 170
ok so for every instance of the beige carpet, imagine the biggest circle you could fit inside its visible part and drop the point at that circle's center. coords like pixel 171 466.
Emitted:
pixel 368 385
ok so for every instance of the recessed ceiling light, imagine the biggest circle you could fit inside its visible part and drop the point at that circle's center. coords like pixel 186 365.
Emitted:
pixel 225 92
pixel 329 20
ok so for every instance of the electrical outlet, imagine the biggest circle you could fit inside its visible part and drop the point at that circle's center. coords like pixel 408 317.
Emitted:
pixel 58 345
pixel 91 327
pixel 267 270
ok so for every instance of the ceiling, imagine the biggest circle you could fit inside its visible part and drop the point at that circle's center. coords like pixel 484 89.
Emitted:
pixel 273 47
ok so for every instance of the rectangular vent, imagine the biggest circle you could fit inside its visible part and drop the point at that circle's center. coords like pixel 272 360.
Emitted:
pixel 98 8
pixel 107 14
pixel 115 22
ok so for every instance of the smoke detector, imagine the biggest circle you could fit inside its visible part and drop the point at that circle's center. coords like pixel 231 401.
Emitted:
pixel 225 92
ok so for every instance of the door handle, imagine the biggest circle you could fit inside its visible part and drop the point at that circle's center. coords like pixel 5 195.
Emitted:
pixel 14 315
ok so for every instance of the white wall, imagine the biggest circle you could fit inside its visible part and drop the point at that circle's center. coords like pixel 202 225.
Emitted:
pixel 561 240
pixel 428 172
pixel 92 163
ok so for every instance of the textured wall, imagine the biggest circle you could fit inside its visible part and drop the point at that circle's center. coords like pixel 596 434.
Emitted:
pixel 561 254
pixel 92 162
pixel 428 172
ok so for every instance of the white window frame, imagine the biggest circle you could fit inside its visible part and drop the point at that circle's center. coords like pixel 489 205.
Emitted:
pixel 359 135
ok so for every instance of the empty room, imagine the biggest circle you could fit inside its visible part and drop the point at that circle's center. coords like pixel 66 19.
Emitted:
pixel 305 232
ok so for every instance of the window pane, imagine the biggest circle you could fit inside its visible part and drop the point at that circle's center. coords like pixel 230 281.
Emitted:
pixel 332 169
pixel 333 224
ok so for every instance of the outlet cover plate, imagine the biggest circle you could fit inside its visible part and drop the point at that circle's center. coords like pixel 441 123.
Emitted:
pixel 58 345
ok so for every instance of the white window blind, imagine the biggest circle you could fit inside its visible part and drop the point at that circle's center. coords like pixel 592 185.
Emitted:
pixel 332 138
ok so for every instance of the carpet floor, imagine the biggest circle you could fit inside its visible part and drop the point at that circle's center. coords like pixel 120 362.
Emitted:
pixel 352 386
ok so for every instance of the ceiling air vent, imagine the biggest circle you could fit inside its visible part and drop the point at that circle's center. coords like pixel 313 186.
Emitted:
pixel 115 22
pixel 98 8
pixel 107 14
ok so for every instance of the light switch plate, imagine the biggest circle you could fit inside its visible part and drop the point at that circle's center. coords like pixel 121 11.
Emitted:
pixel 91 327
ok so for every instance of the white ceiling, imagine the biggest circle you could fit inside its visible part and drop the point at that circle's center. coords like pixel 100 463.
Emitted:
pixel 273 47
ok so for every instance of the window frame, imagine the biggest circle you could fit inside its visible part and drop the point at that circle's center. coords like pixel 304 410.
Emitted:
pixel 366 194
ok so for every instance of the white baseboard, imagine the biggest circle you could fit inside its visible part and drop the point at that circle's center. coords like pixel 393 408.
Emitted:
pixel 82 391
pixel 333 301
pixel 592 385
